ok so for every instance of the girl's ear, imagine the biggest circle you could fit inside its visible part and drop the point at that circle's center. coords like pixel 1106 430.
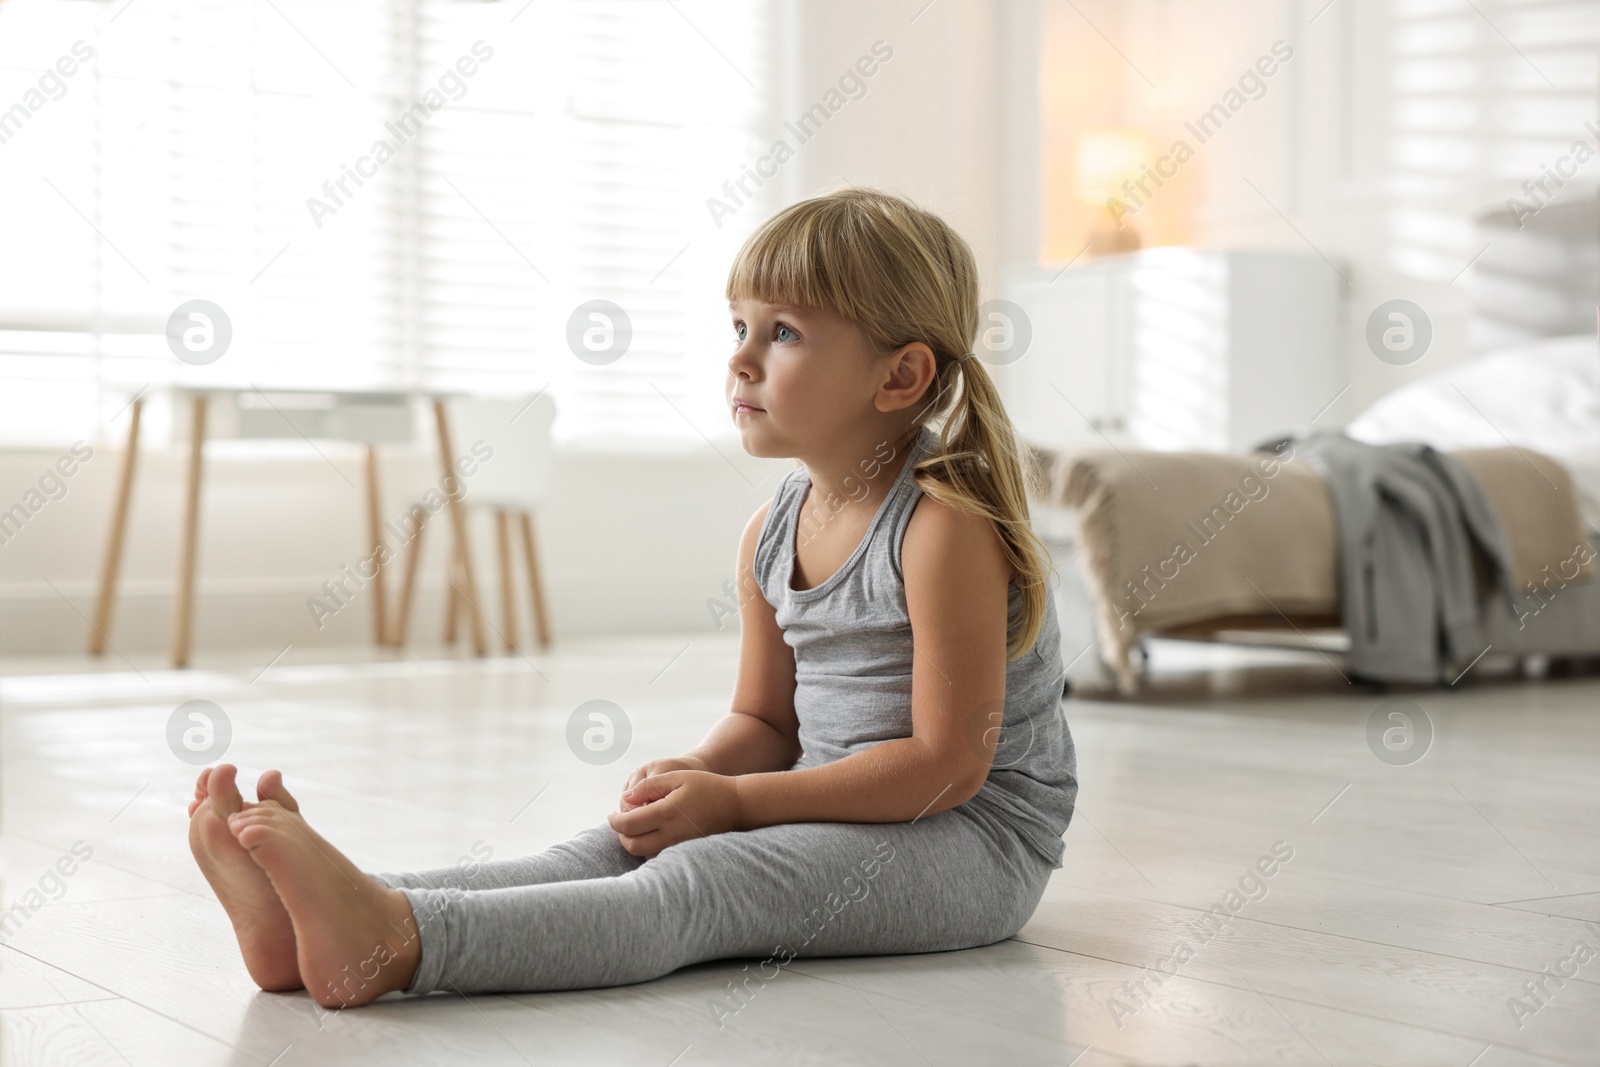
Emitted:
pixel 911 371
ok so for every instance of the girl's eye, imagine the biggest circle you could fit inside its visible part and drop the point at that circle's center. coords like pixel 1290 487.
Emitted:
pixel 783 328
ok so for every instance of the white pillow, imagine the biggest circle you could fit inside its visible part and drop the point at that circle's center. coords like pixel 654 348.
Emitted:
pixel 1542 395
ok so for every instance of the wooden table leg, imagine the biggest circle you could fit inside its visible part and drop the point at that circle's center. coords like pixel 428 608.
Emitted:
pixel 458 520
pixel 541 621
pixel 402 620
pixel 380 602
pixel 101 627
pixel 183 607
pixel 508 599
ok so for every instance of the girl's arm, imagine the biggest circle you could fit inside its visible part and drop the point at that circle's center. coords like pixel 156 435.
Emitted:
pixel 761 733
pixel 956 582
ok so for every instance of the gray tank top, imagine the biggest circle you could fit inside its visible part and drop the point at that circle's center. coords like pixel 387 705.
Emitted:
pixel 851 638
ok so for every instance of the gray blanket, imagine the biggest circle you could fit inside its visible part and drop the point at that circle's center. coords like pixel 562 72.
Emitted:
pixel 1415 531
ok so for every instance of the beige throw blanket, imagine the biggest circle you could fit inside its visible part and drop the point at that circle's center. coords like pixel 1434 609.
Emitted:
pixel 1177 539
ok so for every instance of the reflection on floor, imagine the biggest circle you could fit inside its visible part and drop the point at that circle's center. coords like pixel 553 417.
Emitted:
pixel 1267 867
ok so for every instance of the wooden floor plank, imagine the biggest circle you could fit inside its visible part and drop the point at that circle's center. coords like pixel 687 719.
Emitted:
pixel 29 983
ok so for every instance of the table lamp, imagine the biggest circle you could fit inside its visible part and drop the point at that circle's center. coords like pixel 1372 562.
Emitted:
pixel 1107 158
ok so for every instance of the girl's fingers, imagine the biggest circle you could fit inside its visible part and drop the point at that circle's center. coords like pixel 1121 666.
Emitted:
pixel 633 783
pixel 639 774
pixel 633 823
pixel 654 787
pixel 644 846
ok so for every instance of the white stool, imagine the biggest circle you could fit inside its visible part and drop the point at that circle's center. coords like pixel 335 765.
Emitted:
pixel 512 483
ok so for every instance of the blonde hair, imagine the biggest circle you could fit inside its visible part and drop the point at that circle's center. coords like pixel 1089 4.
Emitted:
pixel 902 274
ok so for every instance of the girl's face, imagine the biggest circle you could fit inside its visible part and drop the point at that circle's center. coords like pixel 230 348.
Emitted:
pixel 809 374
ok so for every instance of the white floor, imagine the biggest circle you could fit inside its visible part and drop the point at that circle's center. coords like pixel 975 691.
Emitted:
pixel 1418 901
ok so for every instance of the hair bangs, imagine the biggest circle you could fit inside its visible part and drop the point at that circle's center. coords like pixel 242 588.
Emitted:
pixel 802 257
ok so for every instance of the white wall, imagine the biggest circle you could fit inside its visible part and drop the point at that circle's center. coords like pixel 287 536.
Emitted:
pixel 950 121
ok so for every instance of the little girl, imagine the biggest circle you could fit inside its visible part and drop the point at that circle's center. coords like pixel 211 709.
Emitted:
pixel 895 774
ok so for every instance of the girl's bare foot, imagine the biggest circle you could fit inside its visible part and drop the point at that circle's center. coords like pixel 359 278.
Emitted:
pixel 260 921
pixel 356 939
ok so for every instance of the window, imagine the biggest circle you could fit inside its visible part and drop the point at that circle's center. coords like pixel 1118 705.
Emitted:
pixel 378 195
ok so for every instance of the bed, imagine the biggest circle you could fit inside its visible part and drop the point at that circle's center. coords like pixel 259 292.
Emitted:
pixel 1242 547
pixel 1139 535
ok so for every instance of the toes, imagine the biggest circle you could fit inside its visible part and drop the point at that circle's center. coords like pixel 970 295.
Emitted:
pixel 253 811
pixel 251 829
pixel 239 820
pixel 270 787
pixel 224 790
pixel 250 835
pixel 200 791
pixel 264 813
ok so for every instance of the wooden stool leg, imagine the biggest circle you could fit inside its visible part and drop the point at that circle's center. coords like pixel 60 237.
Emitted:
pixel 101 627
pixel 541 621
pixel 452 597
pixel 380 602
pixel 397 633
pixel 458 519
pixel 508 600
pixel 183 608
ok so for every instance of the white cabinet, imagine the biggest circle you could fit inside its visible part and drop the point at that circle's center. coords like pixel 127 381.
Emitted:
pixel 1176 348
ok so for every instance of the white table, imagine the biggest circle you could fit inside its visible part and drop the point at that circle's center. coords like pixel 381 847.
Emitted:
pixel 369 418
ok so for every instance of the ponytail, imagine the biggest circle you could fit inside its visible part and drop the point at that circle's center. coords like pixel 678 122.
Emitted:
pixel 979 468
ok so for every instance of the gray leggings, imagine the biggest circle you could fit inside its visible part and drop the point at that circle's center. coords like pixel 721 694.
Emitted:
pixel 585 913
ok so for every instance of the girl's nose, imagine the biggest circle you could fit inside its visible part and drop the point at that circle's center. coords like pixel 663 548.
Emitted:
pixel 741 364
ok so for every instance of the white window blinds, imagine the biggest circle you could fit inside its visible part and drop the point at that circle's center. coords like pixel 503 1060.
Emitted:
pixel 378 194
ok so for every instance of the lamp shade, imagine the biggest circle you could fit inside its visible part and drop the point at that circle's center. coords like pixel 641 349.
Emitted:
pixel 1106 158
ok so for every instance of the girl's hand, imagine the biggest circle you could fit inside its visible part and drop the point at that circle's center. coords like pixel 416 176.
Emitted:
pixel 675 806
pixel 659 766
